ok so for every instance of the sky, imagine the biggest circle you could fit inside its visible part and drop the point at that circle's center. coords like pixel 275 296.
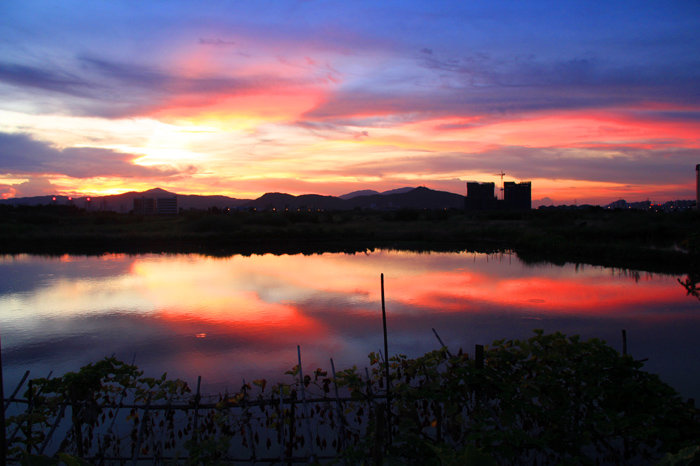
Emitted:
pixel 590 101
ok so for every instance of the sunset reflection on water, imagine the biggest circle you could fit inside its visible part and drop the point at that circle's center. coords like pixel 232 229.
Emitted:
pixel 242 316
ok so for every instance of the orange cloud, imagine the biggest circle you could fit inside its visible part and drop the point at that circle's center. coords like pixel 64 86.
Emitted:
pixel 579 129
pixel 233 111
pixel 246 92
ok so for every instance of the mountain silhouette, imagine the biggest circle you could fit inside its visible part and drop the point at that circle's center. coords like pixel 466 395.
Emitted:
pixel 402 198
pixel 363 192
pixel 371 192
pixel 415 198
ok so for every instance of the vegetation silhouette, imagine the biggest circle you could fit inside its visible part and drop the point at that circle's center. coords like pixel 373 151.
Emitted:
pixel 549 399
pixel 651 241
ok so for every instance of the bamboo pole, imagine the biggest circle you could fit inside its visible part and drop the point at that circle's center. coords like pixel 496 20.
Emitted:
pixel 110 430
pixel 249 430
pixel 162 441
pixel 197 398
pixel 305 408
pixel 386 367
pixel 340 409
pixel 30 408
pixel 284 441
pixel 292 431
pixel 3 444
pixel 14 434
pixel 443 345
pixel 142 429
pixel 53 428
pixel 19 385
pixel 479 356
pixel 376 451
pixel 205 406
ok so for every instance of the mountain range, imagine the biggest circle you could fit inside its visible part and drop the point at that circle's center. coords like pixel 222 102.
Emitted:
pixel 402 198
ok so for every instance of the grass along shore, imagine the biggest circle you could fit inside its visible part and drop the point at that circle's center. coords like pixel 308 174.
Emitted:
pixel 651 241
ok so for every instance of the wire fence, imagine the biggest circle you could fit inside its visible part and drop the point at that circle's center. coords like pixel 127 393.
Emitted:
pixel 166 423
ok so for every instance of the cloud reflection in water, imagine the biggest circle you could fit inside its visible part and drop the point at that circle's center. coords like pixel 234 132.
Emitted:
pixel 242 316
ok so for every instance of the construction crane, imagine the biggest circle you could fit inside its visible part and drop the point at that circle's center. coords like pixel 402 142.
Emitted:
pixel 502 174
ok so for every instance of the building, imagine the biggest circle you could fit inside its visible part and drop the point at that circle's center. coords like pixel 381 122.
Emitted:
pixel 144 206
pixel 517 196
pixel 480 196
pixel 155 206
pixel 166 205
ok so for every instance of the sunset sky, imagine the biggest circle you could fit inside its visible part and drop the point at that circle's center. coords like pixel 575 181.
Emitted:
pixel 591 101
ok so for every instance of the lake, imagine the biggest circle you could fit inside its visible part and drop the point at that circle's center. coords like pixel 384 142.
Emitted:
pixel 239 317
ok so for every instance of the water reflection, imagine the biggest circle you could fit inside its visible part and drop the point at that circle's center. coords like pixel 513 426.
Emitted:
pixel 242 316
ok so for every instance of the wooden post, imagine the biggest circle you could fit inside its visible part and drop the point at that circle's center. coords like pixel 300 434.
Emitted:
pixel 292 431
pixel 249 430
pixel 19 385
pixel 375 411
pixel 479 356
pixel 443 345
pixel 197 398
pixel 340 409
pixel 386 366
pixel 5 405
pixel 57 421
pixel 3 444
pixel 624 342
pixel 305 408
pixel 281 411
pixel 30 401
pixel 14 434
pixel 142 430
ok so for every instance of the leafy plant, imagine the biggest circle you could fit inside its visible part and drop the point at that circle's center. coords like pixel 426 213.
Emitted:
pixel 549 399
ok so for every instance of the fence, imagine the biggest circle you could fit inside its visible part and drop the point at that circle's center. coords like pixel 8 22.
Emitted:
pixel 156 421
pixel 549 399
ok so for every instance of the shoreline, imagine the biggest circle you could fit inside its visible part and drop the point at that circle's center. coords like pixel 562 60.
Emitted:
pixel 645 241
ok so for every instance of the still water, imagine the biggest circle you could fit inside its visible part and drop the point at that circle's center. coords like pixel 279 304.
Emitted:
pixel 243 316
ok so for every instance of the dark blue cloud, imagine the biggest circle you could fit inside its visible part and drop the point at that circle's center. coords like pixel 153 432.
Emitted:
pixel 481 85
pixel 20 154
pixel 114 89
pixel 128 76
pixel 615 165
pixel 44 78
pixel 474 56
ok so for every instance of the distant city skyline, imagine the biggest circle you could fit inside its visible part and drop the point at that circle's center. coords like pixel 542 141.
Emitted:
pixel 590 102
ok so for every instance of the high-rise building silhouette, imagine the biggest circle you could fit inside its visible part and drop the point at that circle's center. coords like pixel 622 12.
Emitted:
pixel 480 196
pixel 155 206
pixel 517 196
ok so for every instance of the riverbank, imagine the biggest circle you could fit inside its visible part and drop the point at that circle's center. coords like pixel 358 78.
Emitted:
pixel 649 241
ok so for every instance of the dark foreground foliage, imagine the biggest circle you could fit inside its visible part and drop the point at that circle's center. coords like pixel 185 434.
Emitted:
pixel 550 399
pixel 652 241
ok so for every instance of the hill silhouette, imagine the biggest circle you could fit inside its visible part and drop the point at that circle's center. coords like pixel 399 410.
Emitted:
pixel 416 198
pixel 402 198
pixel 362 192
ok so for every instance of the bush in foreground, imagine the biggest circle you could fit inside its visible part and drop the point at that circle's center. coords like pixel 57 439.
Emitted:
pixel 550 399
